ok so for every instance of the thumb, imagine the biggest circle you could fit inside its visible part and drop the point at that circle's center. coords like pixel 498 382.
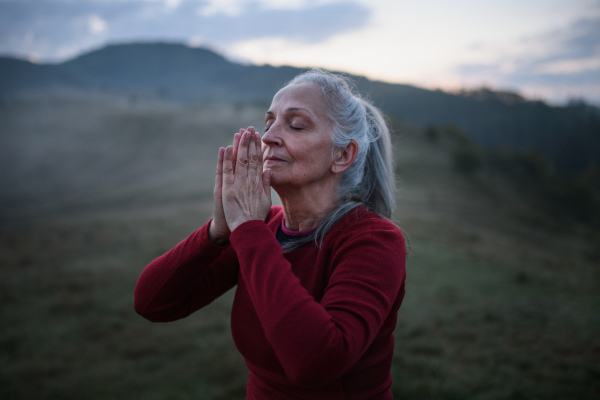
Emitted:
pixel 228 167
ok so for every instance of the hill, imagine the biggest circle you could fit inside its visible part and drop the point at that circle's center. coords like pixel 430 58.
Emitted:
pixel 569 135
pixel 501 300
pixel 18 76
pixel 175 72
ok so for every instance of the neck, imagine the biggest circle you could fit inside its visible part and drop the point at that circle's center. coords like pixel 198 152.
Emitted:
pixel 305 208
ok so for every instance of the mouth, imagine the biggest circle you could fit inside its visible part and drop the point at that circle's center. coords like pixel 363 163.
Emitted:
pixel 273 159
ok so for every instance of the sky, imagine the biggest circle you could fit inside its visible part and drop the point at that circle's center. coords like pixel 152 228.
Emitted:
pixel 542 49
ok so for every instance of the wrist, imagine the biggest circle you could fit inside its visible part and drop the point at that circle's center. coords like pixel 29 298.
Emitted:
pixel 215 238
pixel 234 225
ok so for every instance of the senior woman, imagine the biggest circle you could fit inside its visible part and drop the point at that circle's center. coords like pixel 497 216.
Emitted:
pixel 319 280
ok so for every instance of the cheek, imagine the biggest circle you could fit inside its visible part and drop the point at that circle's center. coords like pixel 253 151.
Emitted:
pixel 319 159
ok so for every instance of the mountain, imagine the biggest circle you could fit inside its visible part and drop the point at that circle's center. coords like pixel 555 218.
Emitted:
pixel 171 71
pixel 175 72
pixel 568 135
pixel 20 76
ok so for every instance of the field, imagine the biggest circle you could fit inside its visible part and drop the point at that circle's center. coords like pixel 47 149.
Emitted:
pixel 502 300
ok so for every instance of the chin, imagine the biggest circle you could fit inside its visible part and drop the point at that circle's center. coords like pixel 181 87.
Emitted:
pixel 277 180
pixel 274 180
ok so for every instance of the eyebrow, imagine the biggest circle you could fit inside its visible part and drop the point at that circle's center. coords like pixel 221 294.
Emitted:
pixel 293 109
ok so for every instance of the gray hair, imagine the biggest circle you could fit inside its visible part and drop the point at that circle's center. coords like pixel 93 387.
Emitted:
pixel 370 179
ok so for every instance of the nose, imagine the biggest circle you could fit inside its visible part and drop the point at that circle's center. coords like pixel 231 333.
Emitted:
pixel 272 137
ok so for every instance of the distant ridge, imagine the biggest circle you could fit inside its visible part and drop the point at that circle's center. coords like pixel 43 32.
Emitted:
pixel 179 73
pixel 171 71
pixel 20 75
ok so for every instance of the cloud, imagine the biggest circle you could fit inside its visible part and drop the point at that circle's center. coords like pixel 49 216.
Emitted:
pixel 96 24
pixel 43 27
pixel 554 64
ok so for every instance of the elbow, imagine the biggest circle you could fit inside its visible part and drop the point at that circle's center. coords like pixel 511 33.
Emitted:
pixel 141 305
pixel 157 312
pixel 141 300
pixel 147 313
pixel 141 308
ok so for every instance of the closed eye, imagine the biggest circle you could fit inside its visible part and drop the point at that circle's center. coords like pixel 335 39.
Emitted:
pixel 268 125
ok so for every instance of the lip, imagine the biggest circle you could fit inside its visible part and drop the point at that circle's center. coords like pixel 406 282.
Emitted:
pixel 273 159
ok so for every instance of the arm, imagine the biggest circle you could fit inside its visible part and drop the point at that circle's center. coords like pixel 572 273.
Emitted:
pixel 197 270
pixel 317 342
pixel 186 278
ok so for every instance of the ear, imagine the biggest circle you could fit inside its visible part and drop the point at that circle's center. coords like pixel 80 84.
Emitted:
pixel 343 158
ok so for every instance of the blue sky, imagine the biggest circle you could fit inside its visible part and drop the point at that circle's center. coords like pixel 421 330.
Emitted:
pixel 546 49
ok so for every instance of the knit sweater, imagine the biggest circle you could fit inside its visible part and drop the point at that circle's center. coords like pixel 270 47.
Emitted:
pixel 311 323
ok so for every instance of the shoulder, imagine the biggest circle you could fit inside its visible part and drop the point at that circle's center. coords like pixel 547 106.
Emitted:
pixel 361 219
pixel 364 226
pixel 365 244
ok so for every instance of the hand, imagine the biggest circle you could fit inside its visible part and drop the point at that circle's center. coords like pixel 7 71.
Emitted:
pixel 218 231
pixel 246 191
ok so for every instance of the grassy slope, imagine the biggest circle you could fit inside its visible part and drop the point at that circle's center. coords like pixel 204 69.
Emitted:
pixel 501 301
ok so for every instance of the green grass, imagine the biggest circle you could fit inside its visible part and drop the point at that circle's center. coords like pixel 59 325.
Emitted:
pixel 70 330
pixel 501 303
pixel 475 327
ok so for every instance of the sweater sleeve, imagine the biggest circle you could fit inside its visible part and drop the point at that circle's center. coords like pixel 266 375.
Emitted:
pixel 189 276
pixel 317 342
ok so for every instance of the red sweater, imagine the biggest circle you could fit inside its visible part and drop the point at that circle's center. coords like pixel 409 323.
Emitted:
pixel 312 323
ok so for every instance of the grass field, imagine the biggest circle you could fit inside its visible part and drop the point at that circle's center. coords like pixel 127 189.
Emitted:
pixel 502 301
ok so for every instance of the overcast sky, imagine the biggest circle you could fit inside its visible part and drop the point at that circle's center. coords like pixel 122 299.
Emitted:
pixel 546 49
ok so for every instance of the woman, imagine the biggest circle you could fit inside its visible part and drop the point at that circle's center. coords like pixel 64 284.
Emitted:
pixel 319 280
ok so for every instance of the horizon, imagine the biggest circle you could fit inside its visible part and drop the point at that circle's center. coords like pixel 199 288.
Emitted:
pixel 540 49
pixel 455 91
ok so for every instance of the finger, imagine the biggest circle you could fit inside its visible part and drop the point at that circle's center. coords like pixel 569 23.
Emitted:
pixel 228 173
pixel 219 174
pixel 242 155
pixel 258 143
pixel 254 156
pixel 236 142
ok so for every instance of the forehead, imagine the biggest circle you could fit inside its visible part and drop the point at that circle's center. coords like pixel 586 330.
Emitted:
pixel 306 95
